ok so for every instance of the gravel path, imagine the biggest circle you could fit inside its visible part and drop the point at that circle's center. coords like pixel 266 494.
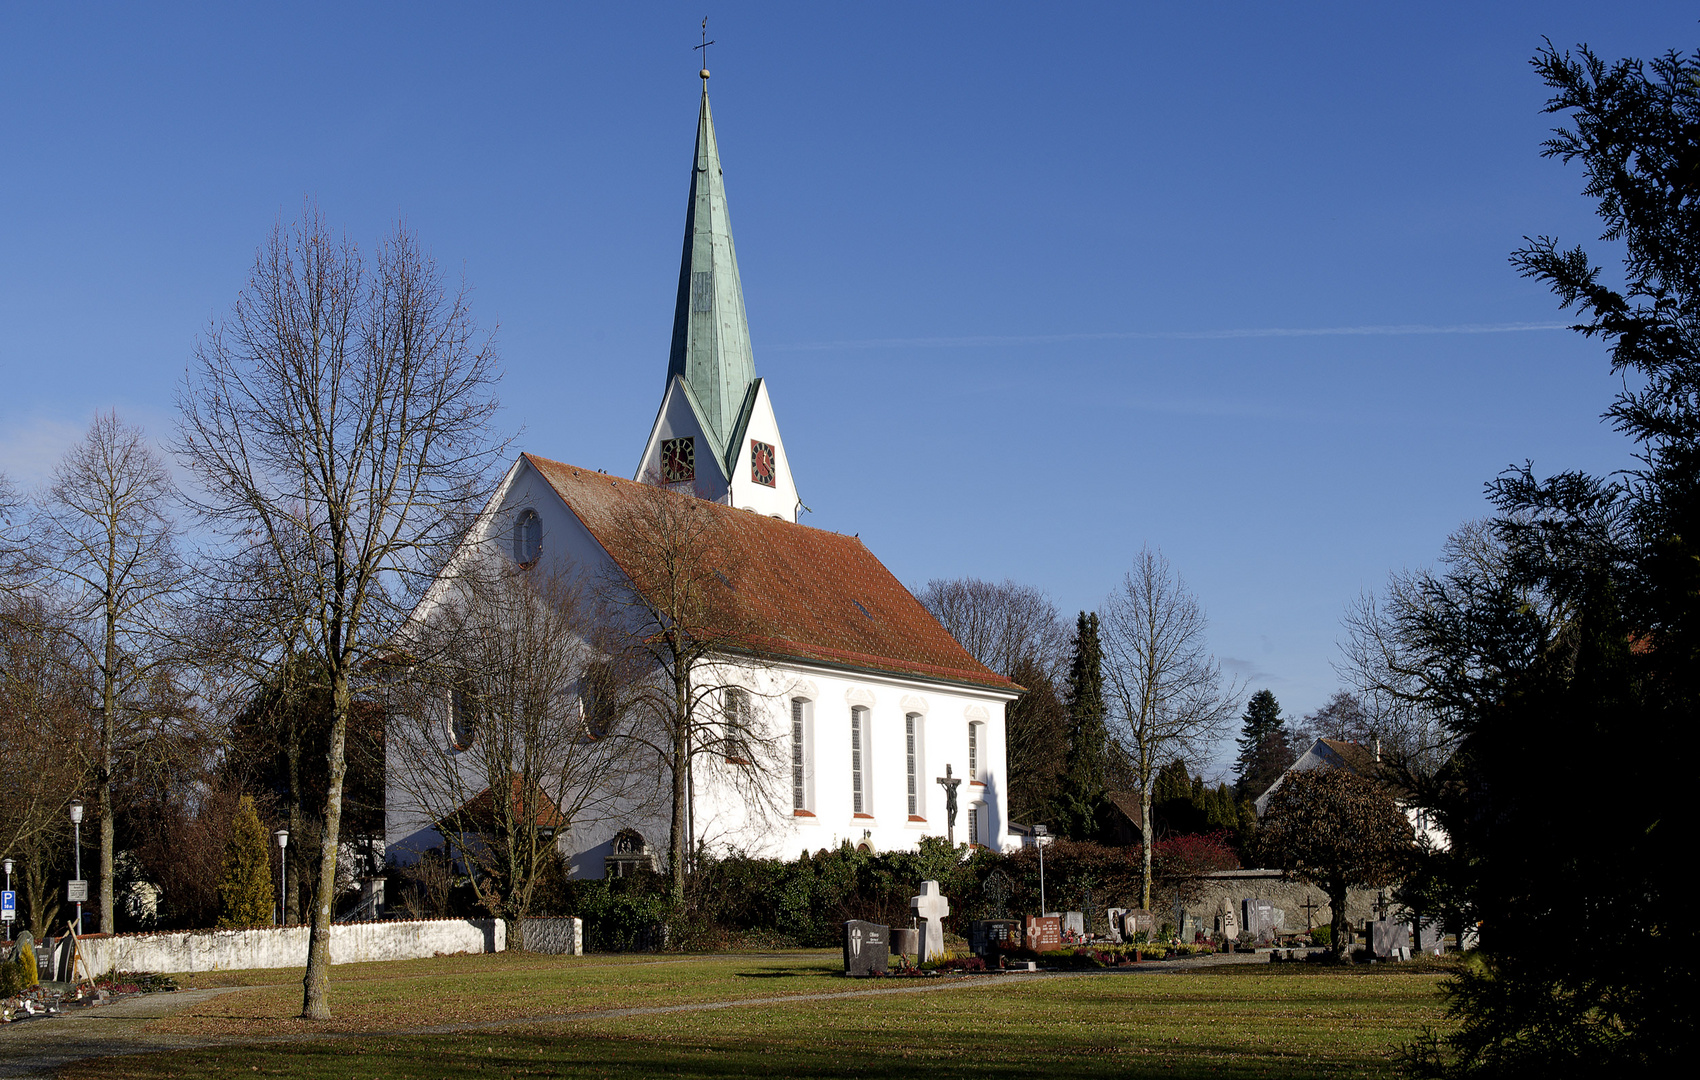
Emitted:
pixel 39 1048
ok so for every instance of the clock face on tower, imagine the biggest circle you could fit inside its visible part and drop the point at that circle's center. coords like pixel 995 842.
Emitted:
pixel 761 463
pixel 678 459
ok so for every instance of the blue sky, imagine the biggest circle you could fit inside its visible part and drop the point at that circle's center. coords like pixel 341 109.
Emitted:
pixel 1033 285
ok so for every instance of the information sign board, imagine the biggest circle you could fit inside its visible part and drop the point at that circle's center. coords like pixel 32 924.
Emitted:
pixel 76 892
pixel 8 906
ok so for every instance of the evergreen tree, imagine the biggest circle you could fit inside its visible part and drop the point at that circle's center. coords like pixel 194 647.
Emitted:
pixel 1264 749
pixel 1589 640
pixel 1081 798
pixel 245 887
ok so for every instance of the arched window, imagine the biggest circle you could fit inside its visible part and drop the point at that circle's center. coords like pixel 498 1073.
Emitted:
pixel 528 538
pixel 463 720
pixel 598 699
pixel 861 801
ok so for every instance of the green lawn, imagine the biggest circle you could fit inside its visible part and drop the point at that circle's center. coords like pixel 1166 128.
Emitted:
pixel 1264 1021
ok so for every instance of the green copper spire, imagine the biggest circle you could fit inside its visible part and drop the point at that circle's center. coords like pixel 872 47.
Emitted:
pixel 711 336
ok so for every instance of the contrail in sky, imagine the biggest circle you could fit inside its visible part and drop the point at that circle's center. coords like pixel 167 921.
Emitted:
pixel 1176 335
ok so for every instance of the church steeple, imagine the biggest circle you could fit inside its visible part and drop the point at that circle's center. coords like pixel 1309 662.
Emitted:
pixel 711 335
pixel 715 434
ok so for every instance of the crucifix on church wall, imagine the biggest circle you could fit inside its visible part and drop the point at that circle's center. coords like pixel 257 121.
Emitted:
pixel 949 783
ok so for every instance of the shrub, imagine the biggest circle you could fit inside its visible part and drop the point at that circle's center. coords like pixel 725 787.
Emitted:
pixel 245 885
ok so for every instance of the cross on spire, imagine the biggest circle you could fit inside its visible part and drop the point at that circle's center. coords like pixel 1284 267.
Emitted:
pixel 704 47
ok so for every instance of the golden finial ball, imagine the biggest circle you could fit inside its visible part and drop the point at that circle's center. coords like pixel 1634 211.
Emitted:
pixel 703 73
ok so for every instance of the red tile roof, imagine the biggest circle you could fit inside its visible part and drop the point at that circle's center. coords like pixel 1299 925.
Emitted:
pixel 822 595
pixel 480 810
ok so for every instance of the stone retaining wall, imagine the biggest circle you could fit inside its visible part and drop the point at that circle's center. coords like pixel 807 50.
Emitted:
pixel 281 947
pixel 559 936
pixel 1270 885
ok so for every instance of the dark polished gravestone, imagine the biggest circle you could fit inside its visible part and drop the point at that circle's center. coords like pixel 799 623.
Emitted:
pixel 867 947
pixel 1044 932
pixel 987 937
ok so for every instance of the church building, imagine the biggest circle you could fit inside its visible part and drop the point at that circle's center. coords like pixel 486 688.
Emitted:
pixel 868 698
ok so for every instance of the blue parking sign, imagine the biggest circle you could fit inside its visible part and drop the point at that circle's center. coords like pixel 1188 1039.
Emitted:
pixel 8 906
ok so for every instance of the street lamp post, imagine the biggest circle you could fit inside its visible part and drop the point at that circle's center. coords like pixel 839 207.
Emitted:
pixel 282 870
pixel 77 829
pixel 1041 837
pixel 8 865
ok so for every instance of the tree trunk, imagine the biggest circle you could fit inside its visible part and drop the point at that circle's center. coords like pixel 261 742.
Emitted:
pixel 676 844
pixel 1145 844
pixel 1337 925
pixel 313 1003
pixel 292 867
pixel 103 790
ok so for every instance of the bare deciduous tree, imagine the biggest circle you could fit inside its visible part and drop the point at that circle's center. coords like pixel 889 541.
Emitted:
pixel 690 654
pixel 1165 692
pixel 506 741
pixel 339 417
pixel 1000 624
pixel 104 538
pixel 43 730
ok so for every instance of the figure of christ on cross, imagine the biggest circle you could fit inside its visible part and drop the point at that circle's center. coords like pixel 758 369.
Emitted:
pixel 950 784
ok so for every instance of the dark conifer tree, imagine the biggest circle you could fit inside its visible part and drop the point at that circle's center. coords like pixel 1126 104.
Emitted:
pixel 1264 749
pixel 1081 799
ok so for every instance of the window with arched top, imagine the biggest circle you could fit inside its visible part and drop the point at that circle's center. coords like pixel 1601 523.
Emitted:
pixel 528 538
pixel 463 719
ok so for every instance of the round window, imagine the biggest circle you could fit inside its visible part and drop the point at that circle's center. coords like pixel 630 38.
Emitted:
pixel 528 537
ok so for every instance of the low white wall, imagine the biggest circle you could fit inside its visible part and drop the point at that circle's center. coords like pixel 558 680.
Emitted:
pixel 561 936
pixel 281 947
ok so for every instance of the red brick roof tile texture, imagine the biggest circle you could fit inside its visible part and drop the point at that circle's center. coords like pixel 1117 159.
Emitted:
pixel 824 595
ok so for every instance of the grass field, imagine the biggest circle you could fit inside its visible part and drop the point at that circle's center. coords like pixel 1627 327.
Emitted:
pixel 1262 1021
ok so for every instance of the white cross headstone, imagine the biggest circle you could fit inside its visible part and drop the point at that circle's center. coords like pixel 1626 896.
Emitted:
pixel 930 908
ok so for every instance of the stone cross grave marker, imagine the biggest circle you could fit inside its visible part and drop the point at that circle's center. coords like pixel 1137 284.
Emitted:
pixel 1044 933
pixel 1113 916
pixel 1311 908
pixel 931 908
pixel 867 947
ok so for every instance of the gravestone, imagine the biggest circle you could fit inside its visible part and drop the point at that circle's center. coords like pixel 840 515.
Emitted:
pixel 1388 935
pixel 1044 933
pixel 1113 916
pixel 1139 921
pixel 905 941
pixel 867 947
pixel 986 937
pixel 1227 923
pixel 1257 917
pixel 1074 923
pixel 930 908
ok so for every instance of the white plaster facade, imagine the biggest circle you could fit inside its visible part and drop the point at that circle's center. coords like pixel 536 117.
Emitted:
pixel 954 724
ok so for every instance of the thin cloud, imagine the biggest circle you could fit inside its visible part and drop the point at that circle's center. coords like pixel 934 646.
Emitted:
pixel 1398 330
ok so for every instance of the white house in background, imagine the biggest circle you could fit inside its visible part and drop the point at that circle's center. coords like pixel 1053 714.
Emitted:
pixel 1363 761
pixel 869 696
